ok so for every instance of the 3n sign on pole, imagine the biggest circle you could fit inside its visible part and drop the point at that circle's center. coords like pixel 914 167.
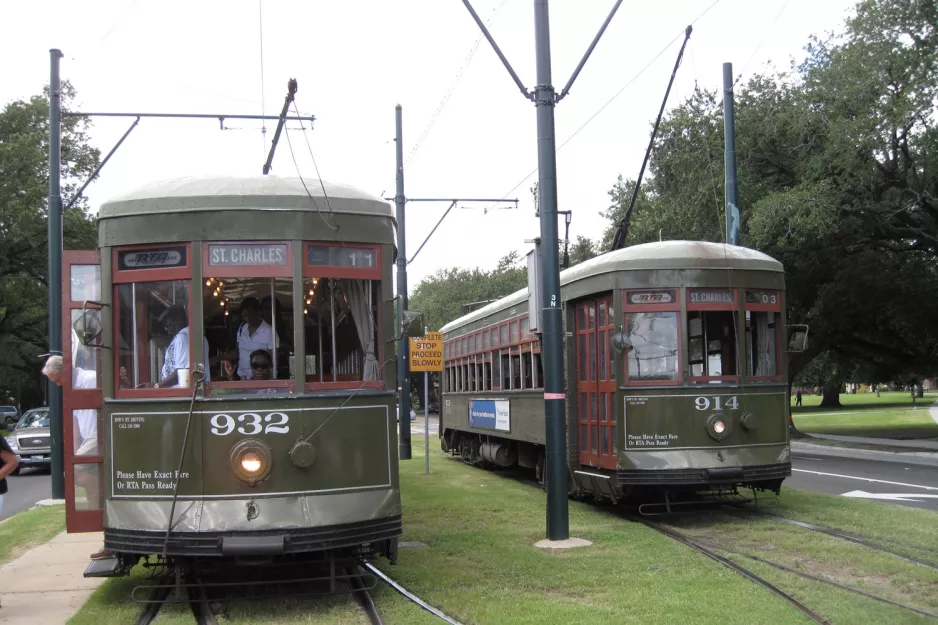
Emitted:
pixel 426 354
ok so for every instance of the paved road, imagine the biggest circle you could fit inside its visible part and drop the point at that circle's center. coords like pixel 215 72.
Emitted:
pixel 907 485
pixel 24 490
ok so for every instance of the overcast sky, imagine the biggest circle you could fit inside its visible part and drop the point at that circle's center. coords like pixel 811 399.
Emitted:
pixel 355 59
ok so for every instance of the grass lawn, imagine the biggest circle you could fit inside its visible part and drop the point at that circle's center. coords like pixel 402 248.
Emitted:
pixel 24 530
pixel 889 416
pixel 479 564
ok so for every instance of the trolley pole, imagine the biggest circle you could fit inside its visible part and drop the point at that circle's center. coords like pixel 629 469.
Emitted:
pixel 55 272
pixel 729 158
pixel 403 379
pixel 552 317
pixel 545 99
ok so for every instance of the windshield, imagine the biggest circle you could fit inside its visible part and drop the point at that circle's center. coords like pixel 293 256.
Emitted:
pixel 34 419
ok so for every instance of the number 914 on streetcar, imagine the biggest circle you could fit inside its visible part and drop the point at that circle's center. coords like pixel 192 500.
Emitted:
pixel 675 374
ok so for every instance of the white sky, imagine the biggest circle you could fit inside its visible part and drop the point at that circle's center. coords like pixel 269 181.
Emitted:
pixel 355 59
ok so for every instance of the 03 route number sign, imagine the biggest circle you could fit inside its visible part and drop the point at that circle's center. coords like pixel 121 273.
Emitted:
pixel 426 353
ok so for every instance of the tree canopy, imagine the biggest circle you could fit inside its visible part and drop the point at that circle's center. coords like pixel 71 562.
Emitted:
pixel 24 189
pixel 838 179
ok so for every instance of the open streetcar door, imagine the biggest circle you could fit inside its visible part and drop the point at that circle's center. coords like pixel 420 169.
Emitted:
pixel 81 391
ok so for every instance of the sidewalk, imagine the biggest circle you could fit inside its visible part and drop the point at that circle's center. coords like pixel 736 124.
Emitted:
pixel 46 585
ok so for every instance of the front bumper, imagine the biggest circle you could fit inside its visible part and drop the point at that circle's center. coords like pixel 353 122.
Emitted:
pixel 34 459
pixel 704 476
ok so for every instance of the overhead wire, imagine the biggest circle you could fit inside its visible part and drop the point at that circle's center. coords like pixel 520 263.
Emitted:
pixel 615 96
pixel 449 92
pixel 765 36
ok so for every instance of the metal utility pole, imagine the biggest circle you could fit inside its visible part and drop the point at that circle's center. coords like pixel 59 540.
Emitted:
pixel 545 98
pixel 55 273
pixel 400 200
pixel 552 315
pixel 729 158
pixel 403 380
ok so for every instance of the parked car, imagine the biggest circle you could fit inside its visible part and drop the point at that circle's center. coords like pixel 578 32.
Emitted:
pixel 8 415
pixel 30 440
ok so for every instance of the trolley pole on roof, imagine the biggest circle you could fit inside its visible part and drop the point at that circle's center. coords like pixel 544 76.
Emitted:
pixel 403 379
pixel 55 273
pixel 545 99
pixel 729 158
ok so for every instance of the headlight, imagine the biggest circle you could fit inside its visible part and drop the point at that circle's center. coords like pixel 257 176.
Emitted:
pixel 718 427
pixel 11 441
pixel 250 461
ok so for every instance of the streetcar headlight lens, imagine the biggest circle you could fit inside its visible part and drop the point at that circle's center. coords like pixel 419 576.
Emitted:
pixel 252 462
pixel 719 427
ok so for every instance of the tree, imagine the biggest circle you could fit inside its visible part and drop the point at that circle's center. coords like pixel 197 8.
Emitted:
pixel 838 181
pixel 24 187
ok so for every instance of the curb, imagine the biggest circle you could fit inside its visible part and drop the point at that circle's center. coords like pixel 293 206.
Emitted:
pixel 918 458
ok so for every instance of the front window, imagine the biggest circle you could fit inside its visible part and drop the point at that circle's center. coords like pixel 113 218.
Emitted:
pixel 654 345
pixel 154 347
pixel 341 297
pixel 34 419
pixel 763 318
pixel 711 333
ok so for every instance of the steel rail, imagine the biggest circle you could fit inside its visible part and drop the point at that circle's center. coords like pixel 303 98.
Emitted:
pixel 751 576
pixel 423 604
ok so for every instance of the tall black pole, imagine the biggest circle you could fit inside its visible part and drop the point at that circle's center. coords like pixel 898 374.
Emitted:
pixel 552 319
pixel 403 346
pixel 729 158
pixel 55 272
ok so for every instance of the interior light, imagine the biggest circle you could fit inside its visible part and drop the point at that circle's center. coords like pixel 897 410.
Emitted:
pixel 208 282
pixel 251 462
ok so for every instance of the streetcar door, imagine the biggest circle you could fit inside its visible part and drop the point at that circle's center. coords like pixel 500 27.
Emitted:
pixel 596 385
pixel 81 392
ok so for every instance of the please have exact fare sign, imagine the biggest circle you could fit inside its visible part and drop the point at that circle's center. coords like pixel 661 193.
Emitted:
pixel 426 352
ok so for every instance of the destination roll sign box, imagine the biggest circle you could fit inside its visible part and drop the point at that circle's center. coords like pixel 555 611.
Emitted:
pixel 247 254
pixel 426 353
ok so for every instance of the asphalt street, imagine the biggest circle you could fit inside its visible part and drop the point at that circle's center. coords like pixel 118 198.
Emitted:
pixel 891 482
pixel 25 489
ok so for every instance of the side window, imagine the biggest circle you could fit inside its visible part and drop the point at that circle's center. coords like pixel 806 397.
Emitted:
pixel 763 333
pixel 153 339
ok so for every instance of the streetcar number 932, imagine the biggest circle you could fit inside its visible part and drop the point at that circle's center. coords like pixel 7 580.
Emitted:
pixel 276 423
pixel 717 403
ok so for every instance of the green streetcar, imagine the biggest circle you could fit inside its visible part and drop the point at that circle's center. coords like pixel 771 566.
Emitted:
pixel 674 368
pixel 233 343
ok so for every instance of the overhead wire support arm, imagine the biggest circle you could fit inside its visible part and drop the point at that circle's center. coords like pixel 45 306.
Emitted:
pixel 622 229
pixel 589 51
pixel 220 117
pixel 98 169
pixel 291 94
pixel 451 206
pixel 485 32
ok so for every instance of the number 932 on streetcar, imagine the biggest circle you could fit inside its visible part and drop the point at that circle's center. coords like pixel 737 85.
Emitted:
pixel 674 371
pixel 232 381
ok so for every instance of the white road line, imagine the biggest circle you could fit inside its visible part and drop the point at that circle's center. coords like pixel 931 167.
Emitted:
pixel 934 411
pixel 867 479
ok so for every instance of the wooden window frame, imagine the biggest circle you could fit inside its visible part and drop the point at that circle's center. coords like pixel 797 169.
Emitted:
pixel 673 307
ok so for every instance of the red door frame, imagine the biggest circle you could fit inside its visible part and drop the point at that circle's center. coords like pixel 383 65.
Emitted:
pixel 596 386
pixel 87 520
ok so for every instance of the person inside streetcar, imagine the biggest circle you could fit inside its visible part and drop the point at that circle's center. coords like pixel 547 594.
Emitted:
pixel 253 334
pixel 177 355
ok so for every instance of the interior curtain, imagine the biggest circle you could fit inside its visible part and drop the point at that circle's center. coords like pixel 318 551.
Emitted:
pixel 365 325
pixel 765 331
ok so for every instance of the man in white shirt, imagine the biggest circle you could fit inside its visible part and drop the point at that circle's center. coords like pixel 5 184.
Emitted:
pixel 177 354
pixel 86 422
pixel 254 334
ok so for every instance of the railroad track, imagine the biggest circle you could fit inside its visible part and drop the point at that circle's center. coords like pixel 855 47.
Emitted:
pixel 713 555
pixel 857 540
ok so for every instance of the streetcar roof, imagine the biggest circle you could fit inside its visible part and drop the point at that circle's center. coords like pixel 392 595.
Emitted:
pixel 201 193
pixel 671 255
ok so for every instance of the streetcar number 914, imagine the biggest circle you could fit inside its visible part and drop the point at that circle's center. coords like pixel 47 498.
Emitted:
pixel 716 403
pixel 276 423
